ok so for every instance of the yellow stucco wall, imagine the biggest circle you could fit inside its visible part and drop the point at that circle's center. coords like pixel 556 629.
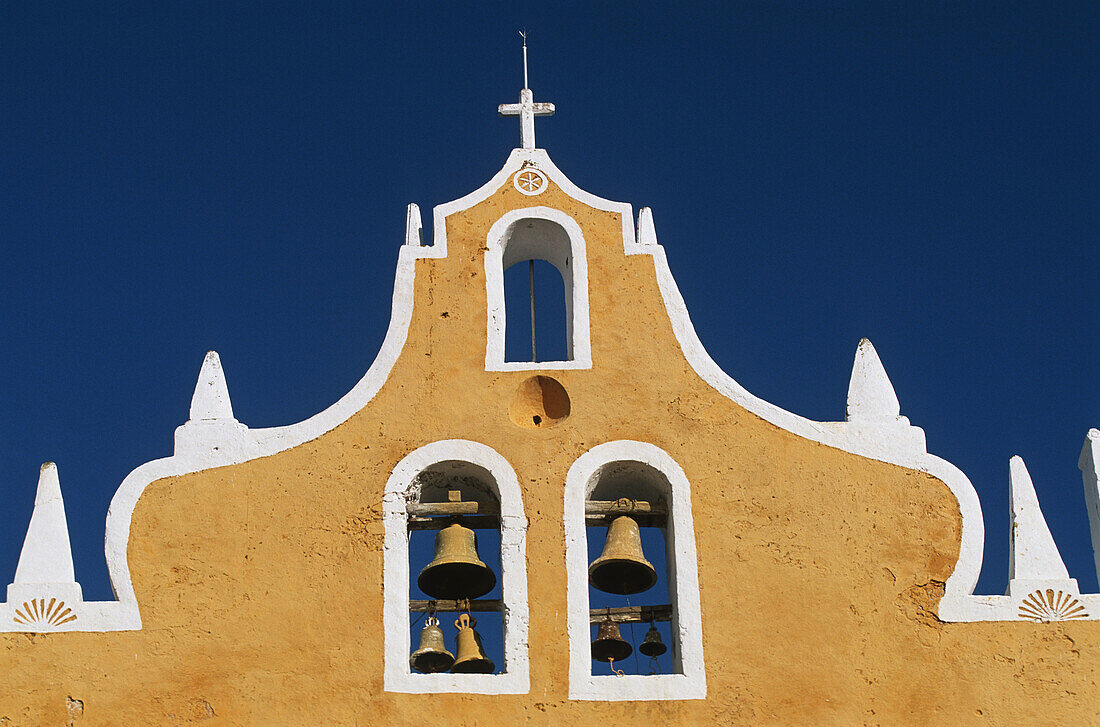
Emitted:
pixel 260 584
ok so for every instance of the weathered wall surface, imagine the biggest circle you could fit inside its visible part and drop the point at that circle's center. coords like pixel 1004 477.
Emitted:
pixel 260 584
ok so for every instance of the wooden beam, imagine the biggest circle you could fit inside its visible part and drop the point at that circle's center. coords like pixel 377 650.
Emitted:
pixel 647 514
pixel 477 604
pixel 474 522
pixel 631 614
pixel 624 507
pixel 446 509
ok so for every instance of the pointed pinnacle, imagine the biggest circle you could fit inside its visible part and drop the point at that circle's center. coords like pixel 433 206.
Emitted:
pixel 870 393
pixel 46 556
pixel 49 485
pixel 413 226
pixel 1033 555
pixel 211 397
pixel 647 234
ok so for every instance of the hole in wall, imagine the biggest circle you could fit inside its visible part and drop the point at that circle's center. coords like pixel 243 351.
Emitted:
pixel 539 402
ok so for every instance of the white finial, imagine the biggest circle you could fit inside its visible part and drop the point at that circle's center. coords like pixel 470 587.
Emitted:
pixel 526 109
pixel 1090 476
pixel 1033 555
pixel 870 393
pixel 413 226
pixel 46 561
pixel 212 435
pixel 211 397
pixel 647 234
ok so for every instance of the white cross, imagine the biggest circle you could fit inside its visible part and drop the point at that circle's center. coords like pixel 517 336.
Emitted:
pixel 526 109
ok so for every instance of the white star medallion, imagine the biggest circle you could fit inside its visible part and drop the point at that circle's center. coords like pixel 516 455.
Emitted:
pixel 529 181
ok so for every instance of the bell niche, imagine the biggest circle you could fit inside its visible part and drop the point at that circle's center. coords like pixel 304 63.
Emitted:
pixel 453 522
pixel 626 519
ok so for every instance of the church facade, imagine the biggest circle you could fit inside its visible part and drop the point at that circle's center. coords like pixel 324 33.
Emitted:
pixel 805 572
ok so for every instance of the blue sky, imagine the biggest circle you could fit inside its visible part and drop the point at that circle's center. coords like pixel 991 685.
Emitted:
pixel 234 176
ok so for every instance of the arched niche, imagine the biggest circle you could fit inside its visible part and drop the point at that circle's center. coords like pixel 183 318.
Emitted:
pixel 425 476
pixel 634 471
pixel 537 233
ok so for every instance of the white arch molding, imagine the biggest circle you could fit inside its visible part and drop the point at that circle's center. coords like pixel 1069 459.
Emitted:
pixel 683 582
pixel 571 262
pixel 395 574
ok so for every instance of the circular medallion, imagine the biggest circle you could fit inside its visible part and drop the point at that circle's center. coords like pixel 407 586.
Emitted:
pixel 529 181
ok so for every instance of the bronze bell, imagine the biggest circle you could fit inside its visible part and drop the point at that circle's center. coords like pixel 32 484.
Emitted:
pixel 609 644
pixel 432 656
pixel 456 571
pixel 622 568
pixel 652 645
pixel 471 657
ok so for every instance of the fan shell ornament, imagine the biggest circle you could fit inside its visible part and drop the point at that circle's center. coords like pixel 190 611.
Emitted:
pixel 1051 605
pixel 39 614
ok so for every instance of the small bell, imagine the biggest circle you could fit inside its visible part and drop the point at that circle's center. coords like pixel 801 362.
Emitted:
pixel 622 568
pixel 471 657
pixel 456 571
pixel 432 656
pixel 651 645
pixel 609 645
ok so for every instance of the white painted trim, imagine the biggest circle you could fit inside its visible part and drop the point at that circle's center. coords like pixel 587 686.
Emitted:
pixel 683 583
pixel 574 272
pixel 395 574
pixel 226 444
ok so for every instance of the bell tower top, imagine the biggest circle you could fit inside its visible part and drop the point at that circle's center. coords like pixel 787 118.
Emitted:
pixel 526 109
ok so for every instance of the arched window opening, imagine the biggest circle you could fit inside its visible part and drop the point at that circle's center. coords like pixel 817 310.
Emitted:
pixel 538 309
pixel 536 315
pixel 626 516
pixel 544 246
pixel 454 577
pixel 633 589
pixel 454 570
